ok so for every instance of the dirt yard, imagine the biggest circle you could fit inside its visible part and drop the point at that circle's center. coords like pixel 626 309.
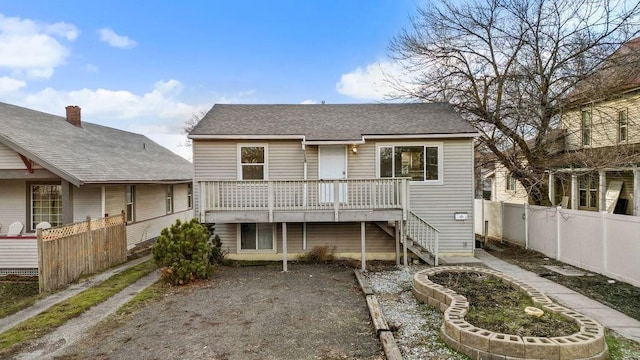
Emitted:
pixel 258 312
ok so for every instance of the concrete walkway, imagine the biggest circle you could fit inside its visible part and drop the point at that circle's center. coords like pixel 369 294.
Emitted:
pixel 610 318
pixel 10 321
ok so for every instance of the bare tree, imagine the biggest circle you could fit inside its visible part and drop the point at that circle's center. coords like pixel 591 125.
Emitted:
pixel 508 65
pixel 190 124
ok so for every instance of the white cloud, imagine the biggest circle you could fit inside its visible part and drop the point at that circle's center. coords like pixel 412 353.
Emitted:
pixel 374 82
pixel 92 68
pixel 308 102
pixel 32 48
pixel 8 85
pixel 110 37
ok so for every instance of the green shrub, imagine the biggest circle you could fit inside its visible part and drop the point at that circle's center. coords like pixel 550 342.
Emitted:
pixel 217 254
pixel 183 252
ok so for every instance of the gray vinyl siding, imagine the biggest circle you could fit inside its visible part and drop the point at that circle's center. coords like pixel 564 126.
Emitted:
pixel 9 159
pixel 212 160
pixel 339 237
pixel 180 202
pixel 114 199
pixel 286 160
pixel 150 201
pixel 438 203
pixel 14 203
pixel 362 165
pixel 87 201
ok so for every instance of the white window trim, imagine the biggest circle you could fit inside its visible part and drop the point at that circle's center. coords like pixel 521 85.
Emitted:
pixel 439 145
pixel 240 250
pixel 626 126
pixel 168 198
pixel 133 204
pixel 239 147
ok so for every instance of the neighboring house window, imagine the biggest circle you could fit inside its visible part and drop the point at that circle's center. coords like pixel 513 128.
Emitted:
pixel 623 119
pixel 588 188
pixel 46 205
pixel 419 162
pixel 169 199
pixel 130 202
pixel 189 195
pixel 252 162
pixel 257 237
pixel 511 183
pixel 586 127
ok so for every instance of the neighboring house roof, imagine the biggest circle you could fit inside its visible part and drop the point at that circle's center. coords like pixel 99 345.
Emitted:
pixel 344 122
pixel 91 153
pixel 619 73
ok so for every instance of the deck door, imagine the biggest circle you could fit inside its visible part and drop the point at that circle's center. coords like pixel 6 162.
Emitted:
pixel 332 165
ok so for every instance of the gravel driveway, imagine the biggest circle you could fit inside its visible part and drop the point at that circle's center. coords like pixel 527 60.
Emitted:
pixel 258 312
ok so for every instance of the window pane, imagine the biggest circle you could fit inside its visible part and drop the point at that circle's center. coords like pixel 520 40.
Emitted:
pixel 46 204
pixel 265 236
pixel 252 172
pixel 593 199
pixel 386 162
pixel 248 236
pixel 432 163
pixel 252 155
pixel 409 162
pixel 583 198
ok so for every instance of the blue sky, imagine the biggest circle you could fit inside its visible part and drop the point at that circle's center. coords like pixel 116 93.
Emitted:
pixel 147 66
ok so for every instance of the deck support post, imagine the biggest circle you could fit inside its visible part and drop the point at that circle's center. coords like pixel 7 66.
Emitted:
pixel 363 252
pixel 284 247
pixel 397 228
pixel 403 235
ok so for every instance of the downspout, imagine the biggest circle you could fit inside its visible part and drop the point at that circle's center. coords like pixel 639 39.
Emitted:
pixel 304 195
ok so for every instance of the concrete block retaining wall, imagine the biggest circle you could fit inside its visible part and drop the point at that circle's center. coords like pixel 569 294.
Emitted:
pixel 588 343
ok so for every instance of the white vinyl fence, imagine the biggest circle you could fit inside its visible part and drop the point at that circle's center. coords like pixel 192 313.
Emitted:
pixel 605 243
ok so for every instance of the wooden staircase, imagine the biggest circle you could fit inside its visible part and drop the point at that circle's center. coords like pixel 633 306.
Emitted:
pixel 421 238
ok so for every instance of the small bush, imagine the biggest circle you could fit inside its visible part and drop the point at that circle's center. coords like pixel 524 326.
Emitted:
pixel 217 254
pixel 318 255
pixel 183 252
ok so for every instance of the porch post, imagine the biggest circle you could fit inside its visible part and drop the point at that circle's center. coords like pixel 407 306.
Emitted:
pixel 397 228
pixel 284 247
pixel 552 188
pixel 363 252
pixel 602 190
pixel 403 236
pixel 636 192
pixel 574 191
pixel 67 202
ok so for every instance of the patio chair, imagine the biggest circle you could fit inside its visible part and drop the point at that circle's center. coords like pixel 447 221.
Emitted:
pixel 15 229
pixel 43 225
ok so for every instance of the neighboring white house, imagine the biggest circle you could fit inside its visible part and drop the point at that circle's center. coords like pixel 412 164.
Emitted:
pixel 283 179
pixel 61 170
pixel 506 188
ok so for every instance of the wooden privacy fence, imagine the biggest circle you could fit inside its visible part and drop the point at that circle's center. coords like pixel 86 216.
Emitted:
pixel 65 253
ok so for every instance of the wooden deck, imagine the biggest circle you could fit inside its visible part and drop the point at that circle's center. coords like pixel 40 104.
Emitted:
pixel 304 200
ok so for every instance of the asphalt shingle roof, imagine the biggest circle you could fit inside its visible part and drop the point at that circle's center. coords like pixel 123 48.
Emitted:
pixel 91 153
pixel 344 122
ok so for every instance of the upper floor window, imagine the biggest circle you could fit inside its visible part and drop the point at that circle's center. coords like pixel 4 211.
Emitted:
pixel 252 162
pixel 169 199
pixel 46 205
pixel 511 183
pixel 623 119
pixel 586 127
pixel 418 162
pixel 130 203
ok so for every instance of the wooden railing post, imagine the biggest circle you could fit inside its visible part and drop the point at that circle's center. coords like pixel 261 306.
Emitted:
pixel 270 199
pixel 336 198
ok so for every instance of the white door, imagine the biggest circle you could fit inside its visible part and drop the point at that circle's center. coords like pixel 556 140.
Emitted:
pixel 332 163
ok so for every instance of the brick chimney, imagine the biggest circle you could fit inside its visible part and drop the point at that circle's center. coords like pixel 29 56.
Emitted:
pixel 73 115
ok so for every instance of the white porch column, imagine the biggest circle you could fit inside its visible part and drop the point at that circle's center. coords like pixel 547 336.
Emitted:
pixel 363 252
pixel 636 192
pixel 552 188
pixel 574 191
pixel 284 247
pixel 602 190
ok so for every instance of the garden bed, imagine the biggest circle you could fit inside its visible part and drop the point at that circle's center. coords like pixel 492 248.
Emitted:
pixel 475 341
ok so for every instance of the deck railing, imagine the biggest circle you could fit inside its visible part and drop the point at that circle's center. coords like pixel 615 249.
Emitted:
pixel 304 195
pixel 424 234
